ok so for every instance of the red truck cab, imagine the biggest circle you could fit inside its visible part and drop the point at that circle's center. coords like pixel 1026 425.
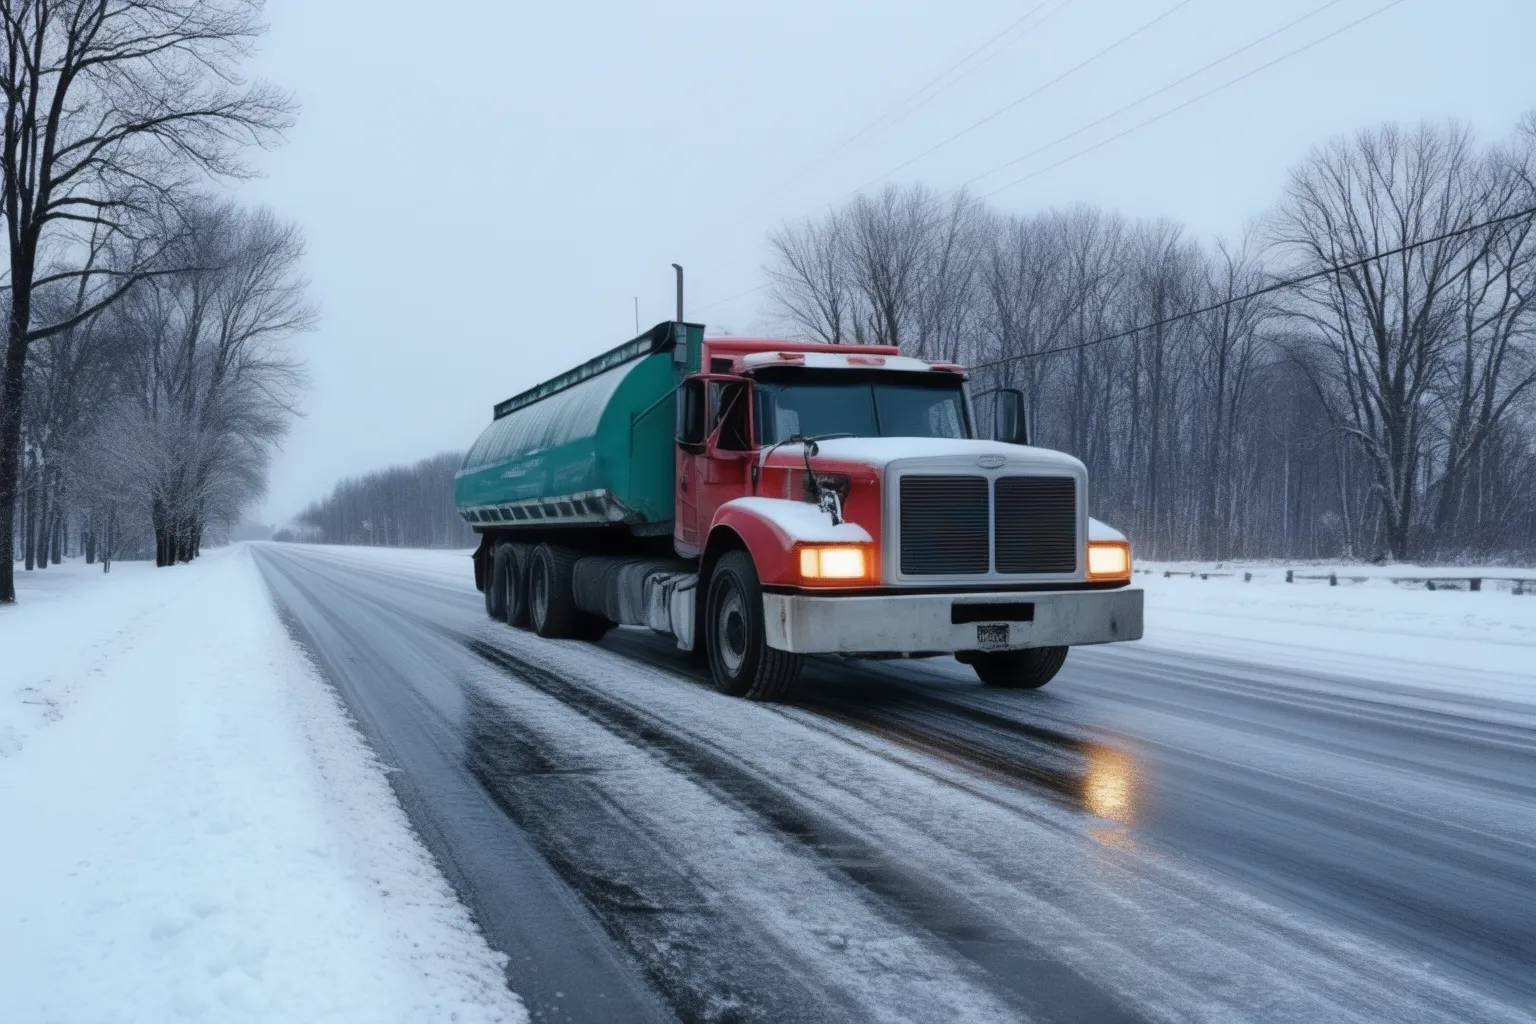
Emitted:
pixel 849 493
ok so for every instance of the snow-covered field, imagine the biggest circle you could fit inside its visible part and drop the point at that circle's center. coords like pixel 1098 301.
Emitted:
pixel 1452 643
pixel 193 829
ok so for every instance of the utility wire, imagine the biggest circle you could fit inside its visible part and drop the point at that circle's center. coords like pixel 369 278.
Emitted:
pixel 731 298
pixel 1136 127
pixel 1153 95
pixel 1291 282
pixel 1029 95
pixel 1191 102
pixel 900 110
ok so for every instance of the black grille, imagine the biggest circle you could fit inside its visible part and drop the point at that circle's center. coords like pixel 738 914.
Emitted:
pixel 1036 524
pixel 944 522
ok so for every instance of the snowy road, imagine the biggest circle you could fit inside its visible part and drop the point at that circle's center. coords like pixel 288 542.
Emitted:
pixel 1158 835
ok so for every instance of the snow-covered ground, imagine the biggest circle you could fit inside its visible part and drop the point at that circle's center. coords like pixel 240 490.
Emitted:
pixel 193 829
pixel 1478 645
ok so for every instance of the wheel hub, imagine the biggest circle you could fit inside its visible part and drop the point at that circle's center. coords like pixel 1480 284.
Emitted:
pixel 731 629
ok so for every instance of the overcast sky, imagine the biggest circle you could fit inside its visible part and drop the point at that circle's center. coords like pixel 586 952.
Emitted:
pixel 486 191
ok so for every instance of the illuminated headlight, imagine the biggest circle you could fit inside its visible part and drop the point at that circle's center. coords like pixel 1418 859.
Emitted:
pixel 1109 560
pixel 843 562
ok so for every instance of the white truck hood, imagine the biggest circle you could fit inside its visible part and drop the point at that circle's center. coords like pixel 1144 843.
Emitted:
pixel 878 452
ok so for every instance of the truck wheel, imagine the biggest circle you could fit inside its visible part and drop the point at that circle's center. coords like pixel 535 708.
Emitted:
pixel 552 607
pixel 514 592
pixel 1018 670
pixel 495 590
pixel 742 663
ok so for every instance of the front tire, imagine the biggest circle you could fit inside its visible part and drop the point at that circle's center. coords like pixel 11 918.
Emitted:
pixel 1018 670
pixel 740 660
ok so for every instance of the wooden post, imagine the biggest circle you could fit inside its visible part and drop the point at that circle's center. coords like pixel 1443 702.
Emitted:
pixel 1289 575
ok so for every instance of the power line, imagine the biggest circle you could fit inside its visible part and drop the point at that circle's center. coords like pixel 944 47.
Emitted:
pixel 1153 95
pixel 731 298
pixel 1029 95
pixel 1191 102
pixel 973 68
pixel 1134 128
pixel 1292 282
pixel 900 109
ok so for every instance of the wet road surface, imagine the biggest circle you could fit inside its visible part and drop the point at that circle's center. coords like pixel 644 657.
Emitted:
pixel 1152 837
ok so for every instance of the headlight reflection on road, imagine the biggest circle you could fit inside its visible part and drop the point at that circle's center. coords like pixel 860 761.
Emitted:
pixel 1110 783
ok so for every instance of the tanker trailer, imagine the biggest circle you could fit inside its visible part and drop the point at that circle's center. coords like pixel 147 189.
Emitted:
pixel 760 500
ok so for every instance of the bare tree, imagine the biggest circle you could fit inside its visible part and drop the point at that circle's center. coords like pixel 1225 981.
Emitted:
pixel 809 280
pixel 949 281
pixel 1386 323
pixel 1229 346
pixel 212 382
pixel 886 239
pixel 110 107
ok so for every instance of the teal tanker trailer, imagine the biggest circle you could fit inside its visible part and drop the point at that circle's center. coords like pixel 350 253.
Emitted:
pixel 760 500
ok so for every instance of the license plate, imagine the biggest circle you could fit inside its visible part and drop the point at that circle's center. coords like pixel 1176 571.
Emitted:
pixel 992 634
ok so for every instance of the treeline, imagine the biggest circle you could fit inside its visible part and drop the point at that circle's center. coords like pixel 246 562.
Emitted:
pixel 151 422
pixel 145 377
pixel 1382 408
pixel 402 507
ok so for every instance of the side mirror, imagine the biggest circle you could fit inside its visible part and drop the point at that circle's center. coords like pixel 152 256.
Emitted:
pixel 1008 424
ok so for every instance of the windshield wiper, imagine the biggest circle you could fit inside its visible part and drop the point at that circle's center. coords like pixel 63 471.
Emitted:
pixel 811 448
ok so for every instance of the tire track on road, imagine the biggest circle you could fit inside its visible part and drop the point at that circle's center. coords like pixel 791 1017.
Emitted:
pixel 1026 973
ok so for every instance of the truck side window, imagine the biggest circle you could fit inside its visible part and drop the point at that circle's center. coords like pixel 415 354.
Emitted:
pixel 690 413
pixel 731 416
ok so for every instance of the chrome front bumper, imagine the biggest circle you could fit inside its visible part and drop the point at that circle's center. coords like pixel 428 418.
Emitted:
pixel 913 623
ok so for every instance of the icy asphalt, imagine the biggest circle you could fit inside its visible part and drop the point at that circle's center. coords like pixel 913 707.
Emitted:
pixel 1152 837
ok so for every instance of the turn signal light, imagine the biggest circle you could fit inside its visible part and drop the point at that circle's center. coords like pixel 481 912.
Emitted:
pixel 834 563
pixel 1109 560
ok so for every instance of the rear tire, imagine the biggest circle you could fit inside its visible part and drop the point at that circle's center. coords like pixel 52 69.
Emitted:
pixel 552 607
pixel 511 579
pixel 1018 670
pixel 495 590
pixel 740 660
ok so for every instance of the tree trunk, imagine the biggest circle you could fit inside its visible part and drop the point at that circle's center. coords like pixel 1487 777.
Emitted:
pixel 12 389
pixel 56 548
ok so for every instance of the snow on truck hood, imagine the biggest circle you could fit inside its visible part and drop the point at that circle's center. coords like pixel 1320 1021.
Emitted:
pixel 879 452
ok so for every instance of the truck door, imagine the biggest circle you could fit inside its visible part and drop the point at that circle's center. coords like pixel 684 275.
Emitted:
pixel 691 436
pixel 722 470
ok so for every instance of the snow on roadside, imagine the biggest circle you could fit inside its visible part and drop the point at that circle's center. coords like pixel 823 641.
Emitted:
pixel 1471 645
pixel 200 832
pixel 70 621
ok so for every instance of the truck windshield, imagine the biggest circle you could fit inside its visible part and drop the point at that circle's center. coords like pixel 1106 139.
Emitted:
pixel 812 403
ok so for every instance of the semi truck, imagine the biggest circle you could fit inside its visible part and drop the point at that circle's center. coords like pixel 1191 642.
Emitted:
pixel 761 500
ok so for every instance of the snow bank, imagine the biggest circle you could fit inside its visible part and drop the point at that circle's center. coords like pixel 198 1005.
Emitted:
pixel 1477 645
pixel 194 829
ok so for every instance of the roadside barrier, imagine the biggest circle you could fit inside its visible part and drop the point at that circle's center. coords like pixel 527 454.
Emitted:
pixel 1471 584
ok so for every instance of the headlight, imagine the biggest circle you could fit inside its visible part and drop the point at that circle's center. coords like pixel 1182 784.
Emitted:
pixel 1109 560
pixel 843 562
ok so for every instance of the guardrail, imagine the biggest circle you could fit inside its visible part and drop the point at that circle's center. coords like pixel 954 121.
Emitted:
pixel 1472 584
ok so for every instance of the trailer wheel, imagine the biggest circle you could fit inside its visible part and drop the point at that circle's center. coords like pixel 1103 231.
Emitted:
pixel 552 607
pixel 740 660
pixel 1018 670
pixel 495 589
pixel 513 587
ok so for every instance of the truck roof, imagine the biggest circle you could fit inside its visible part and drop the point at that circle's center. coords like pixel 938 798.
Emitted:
pixel 738 355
